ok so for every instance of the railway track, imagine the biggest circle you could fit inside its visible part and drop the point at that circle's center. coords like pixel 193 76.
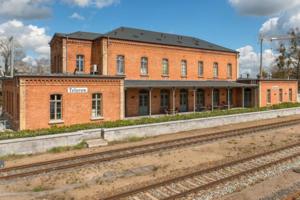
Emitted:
pixel 77 161
pixel 193 185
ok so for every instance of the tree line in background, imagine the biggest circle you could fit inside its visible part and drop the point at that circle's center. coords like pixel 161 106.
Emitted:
pixel 39 65
pixel 287 63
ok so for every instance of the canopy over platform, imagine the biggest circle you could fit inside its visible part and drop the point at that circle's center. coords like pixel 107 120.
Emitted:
pixel 185 84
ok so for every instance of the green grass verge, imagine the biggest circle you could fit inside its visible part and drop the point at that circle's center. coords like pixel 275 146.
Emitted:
pixel 81 145
pixel 129 122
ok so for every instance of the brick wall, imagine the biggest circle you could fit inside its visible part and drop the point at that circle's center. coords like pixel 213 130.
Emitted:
pixel 133 52
pixel 76 107
pixel 274 87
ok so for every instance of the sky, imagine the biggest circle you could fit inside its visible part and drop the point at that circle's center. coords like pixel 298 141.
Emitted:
pixel 236 24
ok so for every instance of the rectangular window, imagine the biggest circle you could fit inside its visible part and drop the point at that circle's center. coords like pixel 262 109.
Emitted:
pixel 165 67
pixel 80 63
pixel 120 65
pixel 96 105
pixel 290 94
pixel 183 68
pixel 280 96
pixel 215 70
pixel 268 96
pixel 200 69
pixel 144 65
pixel 229 70
pixel 55 107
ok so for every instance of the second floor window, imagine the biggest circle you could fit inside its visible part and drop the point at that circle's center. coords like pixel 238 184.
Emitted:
pixel 215 70
pixel 165 67
pixel 183 68
pixel 96 105
pixel 80 63
pixel 120 65
pixel 55 107
pixel 229 70
pixel 144 65
pixel 268 96
pixel 200 69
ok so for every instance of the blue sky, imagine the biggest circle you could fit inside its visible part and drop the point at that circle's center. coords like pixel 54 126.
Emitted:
pixel 235 24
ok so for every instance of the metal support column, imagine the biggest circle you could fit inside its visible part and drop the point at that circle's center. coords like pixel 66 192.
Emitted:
pixel 194 99
pixel 212 99
pixel 173 91
pixel 228 98
pixel 243 97
pixel 150 102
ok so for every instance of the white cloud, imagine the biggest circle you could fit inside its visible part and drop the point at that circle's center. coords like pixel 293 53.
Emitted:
pixel 263 7
pixel 250 60
pixel 282 23
pixel 30 61
pixel 25 9
pixel 96 3
pixel 75 15
pixel 32 38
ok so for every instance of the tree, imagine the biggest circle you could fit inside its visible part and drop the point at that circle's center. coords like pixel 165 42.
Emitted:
pixel 5 53
pixel 287 64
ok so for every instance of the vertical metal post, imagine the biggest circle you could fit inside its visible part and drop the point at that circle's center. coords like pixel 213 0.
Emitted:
pixel 150 102
pixel 261 58
pixel 228 98
pixel 173 110
pixel 243 97
pixel 212 99
pixel 194 99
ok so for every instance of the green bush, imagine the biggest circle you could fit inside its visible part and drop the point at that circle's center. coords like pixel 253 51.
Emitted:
pixel 145 120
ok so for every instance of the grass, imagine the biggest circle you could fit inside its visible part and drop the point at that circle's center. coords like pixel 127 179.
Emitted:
pixel 129 122
pixel 38 189
pixel 81 145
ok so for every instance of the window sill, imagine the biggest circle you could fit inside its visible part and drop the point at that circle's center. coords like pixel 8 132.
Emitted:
pixel 200 77
pixel 144 75
pixel 164 75
pixel 96 118
pixel 60 121
pixel 183 76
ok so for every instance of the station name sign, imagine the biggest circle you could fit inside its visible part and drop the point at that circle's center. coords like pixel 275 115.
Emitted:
pixel 75 90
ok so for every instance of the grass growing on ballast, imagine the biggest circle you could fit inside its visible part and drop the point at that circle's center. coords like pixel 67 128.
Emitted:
pixel 140 121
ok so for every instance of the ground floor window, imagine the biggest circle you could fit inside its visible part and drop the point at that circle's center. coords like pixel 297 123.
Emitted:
pixel 55 107
pixel 96 105
pixel 290 94
pixel 280 96
pixel 268 96
pixel 200 98
pixel 216 97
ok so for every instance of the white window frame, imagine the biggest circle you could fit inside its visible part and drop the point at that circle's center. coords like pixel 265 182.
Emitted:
pixel 80 63
pixel 200 68
pixel 183 68
pixel 144 66
pixel 165 67
pixel 97 98
pixel 215 70
pixel 120 65
pixel 229 70
pixel 55 102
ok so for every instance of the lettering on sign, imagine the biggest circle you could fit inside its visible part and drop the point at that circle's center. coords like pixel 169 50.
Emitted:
pixel 275 87
pixel 75 90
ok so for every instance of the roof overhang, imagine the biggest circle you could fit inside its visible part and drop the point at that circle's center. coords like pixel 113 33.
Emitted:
pixel 185 84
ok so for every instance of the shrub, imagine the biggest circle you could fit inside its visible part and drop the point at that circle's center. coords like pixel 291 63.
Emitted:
pixel 129 122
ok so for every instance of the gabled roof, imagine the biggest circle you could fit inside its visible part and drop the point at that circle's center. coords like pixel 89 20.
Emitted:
pixel 132 34
pixel 139 35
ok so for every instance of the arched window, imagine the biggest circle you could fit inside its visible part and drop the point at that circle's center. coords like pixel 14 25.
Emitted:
pixel 215 70
pixel 120 65
pixel 144 65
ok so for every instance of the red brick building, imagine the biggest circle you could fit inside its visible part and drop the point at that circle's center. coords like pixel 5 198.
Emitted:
pixel 130 72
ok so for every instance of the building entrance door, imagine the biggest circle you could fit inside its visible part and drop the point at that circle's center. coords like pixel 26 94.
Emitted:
pixel 143 102
pixel 247 98
pixel 183 101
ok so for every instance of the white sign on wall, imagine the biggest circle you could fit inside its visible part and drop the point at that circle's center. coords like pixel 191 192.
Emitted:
pixel 77 90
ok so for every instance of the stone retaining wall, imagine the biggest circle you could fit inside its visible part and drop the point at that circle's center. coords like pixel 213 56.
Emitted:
pixel 43 143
